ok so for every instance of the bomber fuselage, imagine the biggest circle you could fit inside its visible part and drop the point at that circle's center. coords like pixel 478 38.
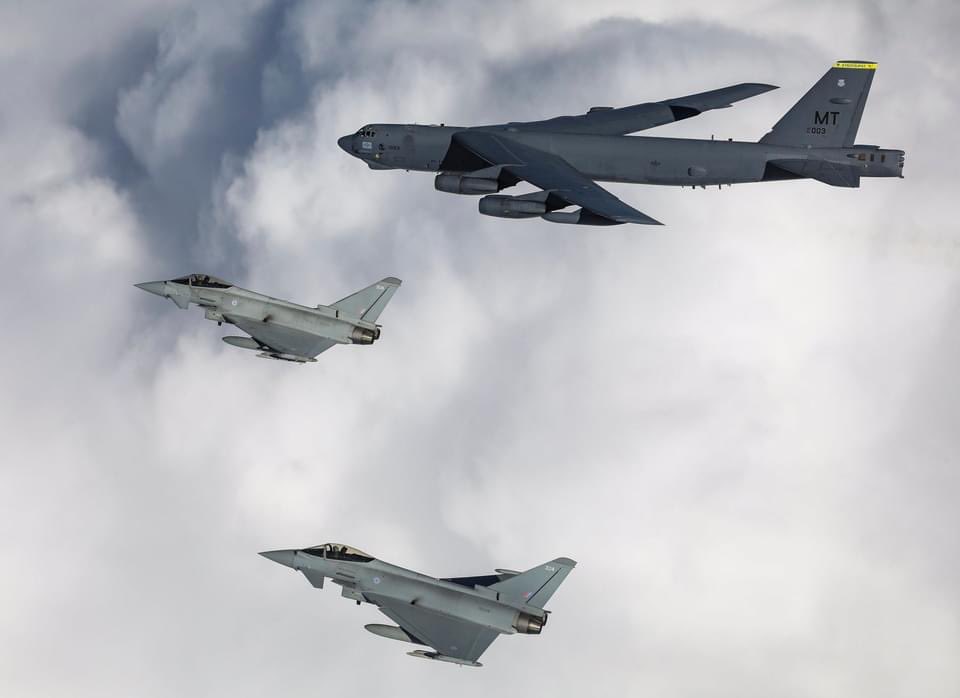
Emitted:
pixel 633 159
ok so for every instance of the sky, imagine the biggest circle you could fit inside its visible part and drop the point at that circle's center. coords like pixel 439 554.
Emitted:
pixel 743 425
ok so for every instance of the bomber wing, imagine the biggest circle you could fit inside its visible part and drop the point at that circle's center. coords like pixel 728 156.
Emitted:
pixel 559 180
pixel 449 637
pixel 283 340
pixel 607 121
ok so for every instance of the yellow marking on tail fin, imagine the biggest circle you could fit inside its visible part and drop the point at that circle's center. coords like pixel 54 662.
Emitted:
pixel 855 66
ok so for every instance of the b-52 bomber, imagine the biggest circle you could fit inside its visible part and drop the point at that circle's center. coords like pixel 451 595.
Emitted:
pixel 280 329
pixel 457 618
pixel 565 156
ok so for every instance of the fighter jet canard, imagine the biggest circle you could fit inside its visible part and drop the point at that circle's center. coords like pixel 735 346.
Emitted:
pixel 280 329
pixel 457 618
pixel 565 156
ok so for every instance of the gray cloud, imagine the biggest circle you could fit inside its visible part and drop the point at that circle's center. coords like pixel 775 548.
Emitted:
pixel 740 424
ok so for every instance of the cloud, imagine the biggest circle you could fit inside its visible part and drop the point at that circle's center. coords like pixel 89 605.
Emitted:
pixel 738 424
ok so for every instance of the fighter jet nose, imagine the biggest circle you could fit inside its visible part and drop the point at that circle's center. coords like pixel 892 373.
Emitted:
pixel 283 557
pixel 346 142
pixel 157 288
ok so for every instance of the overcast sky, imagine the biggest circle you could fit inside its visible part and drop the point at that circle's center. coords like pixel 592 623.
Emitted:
pixel 743 425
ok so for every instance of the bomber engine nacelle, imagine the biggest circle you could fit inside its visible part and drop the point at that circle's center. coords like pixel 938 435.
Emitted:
pixel 362 335
pixel 465 184
pixel 529 624
pixel 511 207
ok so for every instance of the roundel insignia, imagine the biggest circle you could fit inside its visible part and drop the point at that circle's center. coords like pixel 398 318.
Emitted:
pixel 233 302
pixel 376 580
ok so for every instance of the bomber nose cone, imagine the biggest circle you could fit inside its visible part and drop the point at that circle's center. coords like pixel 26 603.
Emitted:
pixel 157 288
pixel 346 142
pixel 283 557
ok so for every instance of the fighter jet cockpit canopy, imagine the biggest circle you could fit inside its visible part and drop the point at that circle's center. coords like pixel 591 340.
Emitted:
pixel 204 280
pixel 336 551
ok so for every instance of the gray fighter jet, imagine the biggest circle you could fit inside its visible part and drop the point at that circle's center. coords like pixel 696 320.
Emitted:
pixel 279 329
pixel 457 617
pixel 564 156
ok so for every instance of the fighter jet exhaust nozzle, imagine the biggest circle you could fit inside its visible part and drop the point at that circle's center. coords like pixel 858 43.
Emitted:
pixel 511 207
pixel 361 335
pixel 459 184
pixel 528 624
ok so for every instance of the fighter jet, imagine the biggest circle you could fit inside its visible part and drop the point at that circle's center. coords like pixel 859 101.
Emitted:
pixel 280 329
pixel 456 618
pixel 565 156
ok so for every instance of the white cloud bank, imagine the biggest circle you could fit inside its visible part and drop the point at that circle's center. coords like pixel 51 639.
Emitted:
pixel 743 425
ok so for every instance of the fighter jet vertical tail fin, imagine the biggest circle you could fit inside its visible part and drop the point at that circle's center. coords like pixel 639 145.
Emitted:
pixel 535 586
pixel 828 116
pixel 368 303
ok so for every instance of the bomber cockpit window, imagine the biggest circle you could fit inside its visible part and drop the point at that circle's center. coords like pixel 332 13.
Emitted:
pixel 204 280
pixel 367 132
pixel 335 551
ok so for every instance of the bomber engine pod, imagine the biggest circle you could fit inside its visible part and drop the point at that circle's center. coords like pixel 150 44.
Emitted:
pixel 462 184
pixel 511 207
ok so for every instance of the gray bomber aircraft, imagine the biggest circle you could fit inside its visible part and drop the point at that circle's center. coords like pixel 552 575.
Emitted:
pixel 280 329
pixel 457 617
pixel 566 155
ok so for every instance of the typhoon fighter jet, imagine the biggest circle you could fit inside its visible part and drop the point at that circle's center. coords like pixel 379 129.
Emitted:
pixel 455 618
pixel 280 329
pixel 564 157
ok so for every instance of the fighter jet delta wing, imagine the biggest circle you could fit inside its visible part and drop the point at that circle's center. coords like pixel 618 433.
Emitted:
pixel 607 121
pixel 561 183
pixel 285 342
pixel 454 640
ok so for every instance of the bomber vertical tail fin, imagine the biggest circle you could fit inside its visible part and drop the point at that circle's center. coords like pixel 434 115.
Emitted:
pixel 368 303
pixel 828 116
pixel 535 587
